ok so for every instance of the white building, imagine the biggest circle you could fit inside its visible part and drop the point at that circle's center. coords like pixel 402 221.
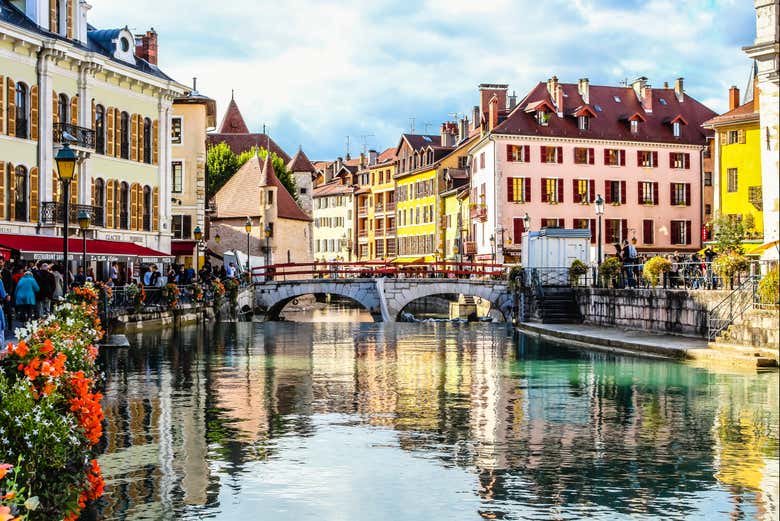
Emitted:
pixel 334 205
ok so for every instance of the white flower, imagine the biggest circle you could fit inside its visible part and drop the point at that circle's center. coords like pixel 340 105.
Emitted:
pixel 32 503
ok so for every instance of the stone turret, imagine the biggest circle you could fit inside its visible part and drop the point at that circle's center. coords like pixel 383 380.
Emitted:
pixel 303 172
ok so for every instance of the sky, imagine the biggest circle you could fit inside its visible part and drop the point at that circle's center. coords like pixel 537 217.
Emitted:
pixel 317 71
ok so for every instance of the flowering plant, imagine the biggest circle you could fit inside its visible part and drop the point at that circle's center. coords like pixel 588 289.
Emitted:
pixel 197 293
pixel 219 293
pixel 136 296
pixel 170 294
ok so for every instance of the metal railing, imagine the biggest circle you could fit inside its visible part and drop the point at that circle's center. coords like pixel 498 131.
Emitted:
pixel 74 134
pixel 732 307
pixel 378 269
pixel 54 213
pixel 122 301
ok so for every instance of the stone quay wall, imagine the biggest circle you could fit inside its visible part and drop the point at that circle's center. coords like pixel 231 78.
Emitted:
pixel 682 312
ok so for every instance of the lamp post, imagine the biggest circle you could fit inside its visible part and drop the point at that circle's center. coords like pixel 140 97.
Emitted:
pixel 267 247
pixel 218 238
pixel 84 221
pixel 197 233
pixel 248 230
pixel 66 165
pixel 599 211
pixel 493 249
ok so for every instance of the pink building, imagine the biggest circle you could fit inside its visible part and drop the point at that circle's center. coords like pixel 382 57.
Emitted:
pixel 551 155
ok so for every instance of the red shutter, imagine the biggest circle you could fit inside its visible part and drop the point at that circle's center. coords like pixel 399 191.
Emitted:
pixel 527 154
pixel 671 194
pixel 639 187
pixel 624 228
pixel 519 230
pixel 575 191
pixel 560 155
pixel 560 190
pixel 647 231
pixel 592 190
pixel 623 192
pixel 688 238
pixel 606 156
pixel 510 189
pixel 687 194
pixel 591 156
pixel 561 223
pixel 655 159
pixel 543 152
pixel 544 190
pixel 638 158
pixel 656 199
pixel 671 159
pixel 607 192
pixel 622 158
pixel 527 189
pixel 593 231
pixel 509 153
pixel 687 161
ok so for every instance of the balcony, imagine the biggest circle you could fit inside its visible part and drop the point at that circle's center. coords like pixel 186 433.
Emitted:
pixel 362 233
pixel 78 136
pixel 362 210
pixel 54 213
pixel 478 213
pixel 390 207
pixel 390 231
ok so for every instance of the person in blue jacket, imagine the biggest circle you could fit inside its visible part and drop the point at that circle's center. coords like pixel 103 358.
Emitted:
pixel 3 297
pixel 24 299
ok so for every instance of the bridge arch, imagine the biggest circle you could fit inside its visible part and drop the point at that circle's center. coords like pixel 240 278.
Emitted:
pixel 401 292
pixel 272 297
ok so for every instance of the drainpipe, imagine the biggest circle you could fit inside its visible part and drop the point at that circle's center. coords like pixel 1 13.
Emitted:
pixel 496 184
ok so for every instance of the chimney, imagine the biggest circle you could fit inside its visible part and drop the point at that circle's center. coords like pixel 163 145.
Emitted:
pixel 476 117
pixel 493 113
pixel 194 85
pixel 552 86
pixel 583 87
pixel 463 129
pixel 666 84
pixel 449 134
pixel 559 99
pixel 362 161
pixel 372 157
pixel 146 46
pixel 486 93
pixel 643 92
pixel 733 97
pixel 512 100
pixel 678 90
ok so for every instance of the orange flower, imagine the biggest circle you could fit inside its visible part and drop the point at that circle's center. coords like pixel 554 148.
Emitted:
pixel 21 349
pixel 47 347
pixel 4 468
pixel 48 387
pixel 10 495
pixel 5 514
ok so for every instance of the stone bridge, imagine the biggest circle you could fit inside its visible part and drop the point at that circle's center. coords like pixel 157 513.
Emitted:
pixel 384 298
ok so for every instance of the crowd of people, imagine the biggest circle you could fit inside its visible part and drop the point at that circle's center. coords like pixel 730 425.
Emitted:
pixel 693 271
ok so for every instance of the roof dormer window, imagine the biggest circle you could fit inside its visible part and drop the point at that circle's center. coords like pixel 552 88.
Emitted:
pixel 676 124
pixel 543 117
pixel 676 128
pixel 634 126
pixel 583 122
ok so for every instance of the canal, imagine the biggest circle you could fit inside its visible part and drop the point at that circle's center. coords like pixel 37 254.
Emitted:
pixel 355 420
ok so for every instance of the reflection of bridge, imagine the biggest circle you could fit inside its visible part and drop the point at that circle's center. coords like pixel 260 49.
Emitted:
pixel 383 289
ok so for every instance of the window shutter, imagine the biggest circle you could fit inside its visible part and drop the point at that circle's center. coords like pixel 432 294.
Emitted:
pixel 93 124
pixel 55 107
pixel 34 113
pixel 607 192
pixel 69 20
pixel 74 191
pixel 11 129
pixel 639 190
pixel 688 230
pixel 510 193
pixel 687 194
pixel 622 158
pixel 155 151
pixel 724 137
pixel 593 231
pixel 74 110
pixel 155 208
pixel 2 105
pixel 592 190
pixel 671 194
pixel 647 231
pixel 55 187
pixel 623 198
pixel 560 155
pixel 92 191
pixel 527 153
pixel 575 191
pixel 671 159
pixel 109 203
pixel 624 229
pixel 687 161
pixel 34 195
pixel 655 159
pixel 53 16
pixel 544 190
pixel 11 192
pixel 509 153
pixel 519 229
pixel 741 136
pixel 559 182
pixel 141 143
pixel 527 194
pixel 109 131
pixel 638 158
pixel 117 133
pixel 656 198
pixel 592 156
pixel 134 137
pixel 543 152
pixel 133 205
pixel 2 189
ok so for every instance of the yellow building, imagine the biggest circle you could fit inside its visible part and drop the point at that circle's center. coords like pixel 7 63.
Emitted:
pixel 737 183
pixel 381 211
pixel 455 204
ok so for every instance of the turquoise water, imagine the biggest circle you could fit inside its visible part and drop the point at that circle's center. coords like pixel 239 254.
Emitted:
pixel 343 421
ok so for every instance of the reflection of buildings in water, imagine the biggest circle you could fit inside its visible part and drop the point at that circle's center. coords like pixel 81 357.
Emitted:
pixel 333 369
pixel 375 375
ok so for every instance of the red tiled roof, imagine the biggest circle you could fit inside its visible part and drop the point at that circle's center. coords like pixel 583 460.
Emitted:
pixel 611 114
pixel 233 122
pixel 386 155
pixel 744 112
pixel 239 143
pixel 333 188
pixel 300 163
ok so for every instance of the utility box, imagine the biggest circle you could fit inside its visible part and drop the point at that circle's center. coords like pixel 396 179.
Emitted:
pixel 548 253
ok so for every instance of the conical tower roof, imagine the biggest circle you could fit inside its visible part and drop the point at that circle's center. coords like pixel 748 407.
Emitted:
pixel 300 163
pixel 233 122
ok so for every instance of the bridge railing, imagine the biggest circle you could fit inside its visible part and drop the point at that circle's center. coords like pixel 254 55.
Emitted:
pixel 376 269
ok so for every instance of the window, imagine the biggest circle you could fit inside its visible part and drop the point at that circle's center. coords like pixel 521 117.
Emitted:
pixel 552 191
pixel 124 135
pixel 62 109
pixel 147 209
pixel 270 197
pixel 583 122
pixel 634 126
pixel 302 191
pixel 733 180
pixel 20 200
pixel 552 223
pixel 182 226
pixel 584 156
pixel 647 193
pixel 614 157
pixel 552 154
pixel 680 194
pixel 676 128
pixel 733 137
pixel 482 160
pixel 707 178
pixel 147 141
pixel 519 189
pixel 100 129
pixel 518 153
pixel 177 173
pixel 124 206
pixel 542 118
pixel 647 231
pixel 176 131
pixel 21 115
pixel 57 17
pixel 614 230
pixel 615 192
pixel 647 158
pixel 583 191
pixel 679 160
pixel 681 232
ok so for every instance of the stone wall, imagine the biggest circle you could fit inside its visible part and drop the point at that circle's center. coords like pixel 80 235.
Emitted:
pixel 679 312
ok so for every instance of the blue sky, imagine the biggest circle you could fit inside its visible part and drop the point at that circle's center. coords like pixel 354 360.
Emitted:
pixel 317 71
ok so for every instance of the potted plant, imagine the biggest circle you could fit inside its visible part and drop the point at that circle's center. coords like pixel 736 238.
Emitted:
pixel 728 265
pixel 610 269
pixel 655 268
pixel 577 270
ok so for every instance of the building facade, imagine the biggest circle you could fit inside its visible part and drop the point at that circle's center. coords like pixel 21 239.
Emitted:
pixel 62 80
pixel 382 235
pixel 334 211
pixel 565 144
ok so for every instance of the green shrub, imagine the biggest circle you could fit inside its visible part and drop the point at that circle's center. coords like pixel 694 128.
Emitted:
pixel 654 269
pixel 769 287
pixel 610 268
pixel 514 277
pixel 577 270
pixel 730 264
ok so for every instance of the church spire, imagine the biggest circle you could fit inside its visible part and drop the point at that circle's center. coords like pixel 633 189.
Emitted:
pixel 233 122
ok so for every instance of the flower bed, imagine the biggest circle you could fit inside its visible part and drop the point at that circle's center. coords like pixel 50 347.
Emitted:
pixel 50 414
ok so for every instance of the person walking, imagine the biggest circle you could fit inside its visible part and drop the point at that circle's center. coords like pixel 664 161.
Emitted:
pixel 59 282
pixel 3 324
pixel 46 284
pixel 24 298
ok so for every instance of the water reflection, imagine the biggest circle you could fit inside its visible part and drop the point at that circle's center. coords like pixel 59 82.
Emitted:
pixel 418 421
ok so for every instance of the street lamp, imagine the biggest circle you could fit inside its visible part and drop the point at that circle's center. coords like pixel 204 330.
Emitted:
pixel 198 234
pixel 66 166
pixel 217 238
pixel 248 229
pixel 267 247
pixel 527 222
pixel 84 221
pixel 599 211
pixel 493 248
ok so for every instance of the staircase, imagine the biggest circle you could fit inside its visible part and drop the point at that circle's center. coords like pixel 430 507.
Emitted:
pixel 558 305
pixel 756 333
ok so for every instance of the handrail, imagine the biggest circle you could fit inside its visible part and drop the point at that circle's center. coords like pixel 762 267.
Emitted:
pixel 373 269
pixel 732 307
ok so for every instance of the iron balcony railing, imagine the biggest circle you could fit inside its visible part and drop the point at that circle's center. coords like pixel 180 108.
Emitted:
pixel 54 213
pixel 75 135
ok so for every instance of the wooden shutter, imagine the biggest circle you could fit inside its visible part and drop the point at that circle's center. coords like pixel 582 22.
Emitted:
pixel 593 231
pixel 11 192
pixel 11 90
pixel 55 107
pixel 509 153
pixel 671 159
pixel 155 142
pixel 34 113
pixel 527 153
pixel 607 192
pixel 606 156
pixel 527 195
pixel 622 158
pixel 687 161
pixel 655 159
pixel 638 158
pixel 92 193
pixel 141 143
pixel 55 193
pixel 155 208
pixel 109 115
pixel 671 194
pixel 510 189
pixel 592 156
pixel 109 203
pixel 117 133
pixel 2 104
pixel 69 20
pixel 519 229
pixel 34 199
pixel 592 190
pixel 656 197
pixel 53 16
pixel 93 123
pixel 688 230
pixel 134 137
pixel 74 110
pixel 544 190
pixel 543 152
pixel 724 137
pixel 741 136
pixel 623 192
pixel 687 194
pixel 639 187
pixel 559 183
pixel 133 207
pixel 624 228
pixel 2 190
pixel 560 155
pixel 647 231
pixel 575 190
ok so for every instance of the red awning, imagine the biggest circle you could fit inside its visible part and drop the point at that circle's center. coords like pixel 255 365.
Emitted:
pixel 182 247
pixel 39 247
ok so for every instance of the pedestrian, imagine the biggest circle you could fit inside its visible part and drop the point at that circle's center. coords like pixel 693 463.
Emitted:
pixel 46 285
pixel 113 274
pixel 59 282
pixel 80 278
pixel 230 272
pixel 3 324
pixel 24 298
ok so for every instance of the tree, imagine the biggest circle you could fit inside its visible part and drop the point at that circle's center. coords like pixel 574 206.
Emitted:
pixel 222 163
pixel 729 234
